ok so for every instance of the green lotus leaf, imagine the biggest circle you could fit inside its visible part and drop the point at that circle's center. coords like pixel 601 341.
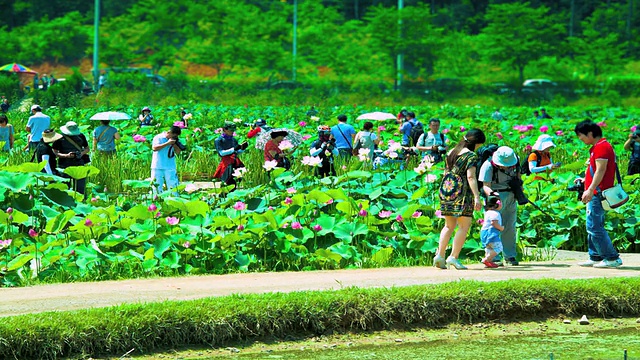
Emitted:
pixel 328 255
pixel 149 264
pixel 81 172
pixel 137 184
pixel 256 204
pixel 327 223
pixel 197 207
pixel 160 246
pixel 242 260
pixel 383 256
pixel 19 261
pixel 140 212
pixel 344 250
pixel 59 197
pixel 56 224
pixel 318 196
pixel 172 260
pixel 16 182
pixel 347 230
pixel 27 167
pixel 266 217
pixel 112 240
pixel 20 217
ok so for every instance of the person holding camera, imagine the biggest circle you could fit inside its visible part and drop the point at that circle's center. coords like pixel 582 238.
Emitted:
pixel 228 148
pixel 145 117
pixel 433 142
pixel 272 149
pixel 259 126
pixel 72 150
pixel 406 128
pixel 600 176
pixel 165 147
pixel 633 144
pixel 325 148
pixel 500 176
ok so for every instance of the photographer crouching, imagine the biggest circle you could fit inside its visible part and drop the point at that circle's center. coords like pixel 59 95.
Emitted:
pixel 501 177
pixel 163 161
pixel 325 148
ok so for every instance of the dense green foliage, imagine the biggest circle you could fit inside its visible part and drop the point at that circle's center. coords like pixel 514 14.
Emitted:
pixel 217 322
pixel 364 217
pixel 339 40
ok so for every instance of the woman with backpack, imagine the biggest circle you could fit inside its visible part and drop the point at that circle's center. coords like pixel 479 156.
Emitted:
pixel 367 140
pixel 539 161
pixel 459 197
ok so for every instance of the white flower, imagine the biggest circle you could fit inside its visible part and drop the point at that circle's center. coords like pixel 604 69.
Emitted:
pixel 315 118
pixel 239 172
pixel 187 116
pixel 312 160
pixel 392 154
pixel 236 120
pixel 285 145
pixel 427 162
pixel 420 169
pixel 394 145
pixel 363 154
pixel 429 178
pixel 270 165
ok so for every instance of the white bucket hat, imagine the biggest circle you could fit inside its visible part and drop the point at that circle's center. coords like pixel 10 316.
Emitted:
pixel 504 156
pixel 544 142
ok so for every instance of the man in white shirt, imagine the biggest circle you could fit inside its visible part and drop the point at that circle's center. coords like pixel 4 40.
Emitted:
pixel 163 162
pixel 36 125
pixel 433 142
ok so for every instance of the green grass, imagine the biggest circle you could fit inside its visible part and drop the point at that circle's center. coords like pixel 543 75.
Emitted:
pixel 217 322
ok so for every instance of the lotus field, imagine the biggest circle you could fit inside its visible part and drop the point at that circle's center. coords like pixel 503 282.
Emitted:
pixel 285 220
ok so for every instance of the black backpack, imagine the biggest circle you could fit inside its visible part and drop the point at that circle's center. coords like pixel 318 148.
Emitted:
pixel 416 131
pixel 484 153
pixel 524 168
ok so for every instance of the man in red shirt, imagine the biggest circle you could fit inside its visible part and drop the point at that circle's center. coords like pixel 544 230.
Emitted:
pixel 600 175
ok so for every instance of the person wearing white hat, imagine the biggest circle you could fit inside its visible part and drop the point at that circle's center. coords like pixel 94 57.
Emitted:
pixel 496 174
pixel 539 161
pixel 72 150
pixel 37 123
pixel 145 117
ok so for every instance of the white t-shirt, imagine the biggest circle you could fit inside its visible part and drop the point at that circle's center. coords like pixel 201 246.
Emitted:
pixel 489 216
pixel 38 123
pixel 160 159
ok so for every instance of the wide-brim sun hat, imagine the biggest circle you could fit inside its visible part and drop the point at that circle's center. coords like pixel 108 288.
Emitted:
pixel 504 156
pixel 146 108
pixel 49 136
pixel 70 128
pixel 544 142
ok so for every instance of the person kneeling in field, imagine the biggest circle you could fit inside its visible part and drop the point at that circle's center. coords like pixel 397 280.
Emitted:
pixel 228 148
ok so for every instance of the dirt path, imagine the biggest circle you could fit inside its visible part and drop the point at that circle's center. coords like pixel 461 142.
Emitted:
pixel 57 297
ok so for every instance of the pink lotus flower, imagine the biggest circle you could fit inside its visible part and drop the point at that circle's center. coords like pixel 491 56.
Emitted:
pixel 9 210
pixel 94 199
pixel 522 136
pixel 292 190
pixel 530 127
pixel 480 221
pixel 306 137
pixel 180 124
pixel 544 128
pixel 5 243
pixel 399 218
pixel 439 214
pixel 416 214
pixel 344 167
pixel 559 133
pixel 288 200
pixel 218 131
pixel 317 228
pixel 158 214
pixel 462 128
pixel 296 225
pixel 285 225
pixel 33 233
pixel 239 206
pixel 528 148
pixel 186 244
pixel 384 213
pixel 302 123
pixel 634 128
pixel 197 130
pixel 602 124
pixel 88 223
pixel 499 136
pixel 152 208
pixel 270 208
pixel 363 212
pixel 172 220
pixel 139 138
pixel 240 227
pixel 445 131
pixel 329 202
pixel 382 128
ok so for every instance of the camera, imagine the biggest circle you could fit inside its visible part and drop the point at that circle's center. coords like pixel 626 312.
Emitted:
pixel 77 154
pixel 180 145
pixel 634 136
pixel 515 185
pixel 442 149
pixel 577 187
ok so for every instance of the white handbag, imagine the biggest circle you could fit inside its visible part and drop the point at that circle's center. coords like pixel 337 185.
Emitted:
pixel 615 196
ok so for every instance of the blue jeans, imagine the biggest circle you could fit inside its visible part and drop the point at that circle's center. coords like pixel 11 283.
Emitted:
pixel 600 245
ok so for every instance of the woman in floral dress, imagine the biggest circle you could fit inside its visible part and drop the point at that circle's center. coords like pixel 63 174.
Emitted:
pixel 459 197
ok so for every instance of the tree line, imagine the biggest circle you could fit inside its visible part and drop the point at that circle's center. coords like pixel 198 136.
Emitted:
pixel 337 39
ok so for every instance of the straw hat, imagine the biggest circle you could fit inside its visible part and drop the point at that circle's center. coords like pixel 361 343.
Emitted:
pixel 49 136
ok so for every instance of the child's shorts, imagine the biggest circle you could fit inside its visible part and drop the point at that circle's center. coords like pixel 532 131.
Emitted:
pixel 489 236
pixel 495 246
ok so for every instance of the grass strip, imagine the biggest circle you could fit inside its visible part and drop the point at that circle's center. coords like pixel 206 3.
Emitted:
pixel 218 321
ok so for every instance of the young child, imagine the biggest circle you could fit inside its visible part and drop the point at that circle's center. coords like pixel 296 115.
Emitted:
pixel 490 233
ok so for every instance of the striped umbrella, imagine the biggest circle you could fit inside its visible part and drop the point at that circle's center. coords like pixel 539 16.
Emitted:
pixel 17 68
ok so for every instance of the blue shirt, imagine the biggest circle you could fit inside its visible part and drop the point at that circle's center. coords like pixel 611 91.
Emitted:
pixel 5 134
pixel 38 123
pixel 635 152
pixel 405 129
pixel 105 136
pixel 343 141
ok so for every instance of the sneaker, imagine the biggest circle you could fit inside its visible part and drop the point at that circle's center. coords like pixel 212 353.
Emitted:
pixel 512 261
pixel 489 264
pixel 608 263
pixel 438 261
pixel 588 263
pixel 451 261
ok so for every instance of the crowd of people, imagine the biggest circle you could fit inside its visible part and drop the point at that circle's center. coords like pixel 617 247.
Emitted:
pixel 476 176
